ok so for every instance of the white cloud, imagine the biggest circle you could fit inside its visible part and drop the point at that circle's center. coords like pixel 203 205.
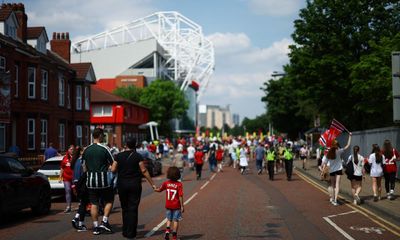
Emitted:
pixel 240 74
pixel 275 7
pixel 85 17
pixel 229 42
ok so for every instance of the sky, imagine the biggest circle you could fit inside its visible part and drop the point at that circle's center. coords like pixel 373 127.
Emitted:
pixel 250 37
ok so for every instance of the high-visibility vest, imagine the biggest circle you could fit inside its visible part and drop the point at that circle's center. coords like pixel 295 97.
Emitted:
pixel 270 155
pixel 288 154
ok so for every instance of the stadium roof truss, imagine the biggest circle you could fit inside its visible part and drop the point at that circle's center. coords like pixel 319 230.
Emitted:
pixel 189 55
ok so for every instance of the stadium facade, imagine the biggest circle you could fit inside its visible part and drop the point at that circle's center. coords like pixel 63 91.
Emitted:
pixel 164 45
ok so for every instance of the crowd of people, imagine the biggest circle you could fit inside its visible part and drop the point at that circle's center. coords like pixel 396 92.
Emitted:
pixel 90 173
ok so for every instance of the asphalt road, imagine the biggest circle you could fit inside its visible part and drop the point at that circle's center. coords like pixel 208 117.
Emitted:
pixel 225 205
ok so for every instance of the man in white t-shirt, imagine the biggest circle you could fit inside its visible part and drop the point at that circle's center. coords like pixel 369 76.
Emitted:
pixel 191 151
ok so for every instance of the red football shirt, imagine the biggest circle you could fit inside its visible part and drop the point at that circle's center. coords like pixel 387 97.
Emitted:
pixel 198 156
pixel 66 166
pixel 174 190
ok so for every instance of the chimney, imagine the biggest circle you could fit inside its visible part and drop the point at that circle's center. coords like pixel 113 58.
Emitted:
pixel 61 45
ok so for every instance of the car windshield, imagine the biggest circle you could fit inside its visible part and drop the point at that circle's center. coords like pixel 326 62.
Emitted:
pixel 52 165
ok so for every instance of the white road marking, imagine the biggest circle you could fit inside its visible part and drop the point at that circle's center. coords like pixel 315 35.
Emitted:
pixel 204 185
pixel 368 230
pixel 341 214
pixel 213 176
pixel 341 231
pixel 155 229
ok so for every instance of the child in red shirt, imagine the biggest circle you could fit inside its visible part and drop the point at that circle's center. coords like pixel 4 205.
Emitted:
pixel 173 200
pixel 219 156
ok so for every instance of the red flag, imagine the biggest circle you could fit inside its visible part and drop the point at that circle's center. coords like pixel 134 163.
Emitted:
pixel 338 126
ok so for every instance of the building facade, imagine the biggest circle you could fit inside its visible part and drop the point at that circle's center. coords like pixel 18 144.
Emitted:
pixel 44 98
pixel 119 117
pixel 211 116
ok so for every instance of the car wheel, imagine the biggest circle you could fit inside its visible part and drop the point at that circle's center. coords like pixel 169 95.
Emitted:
pixel 44 202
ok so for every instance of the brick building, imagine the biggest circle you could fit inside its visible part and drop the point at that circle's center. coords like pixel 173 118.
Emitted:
pixel 43 97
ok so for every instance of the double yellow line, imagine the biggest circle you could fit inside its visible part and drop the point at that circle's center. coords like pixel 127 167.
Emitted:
pixel 372 216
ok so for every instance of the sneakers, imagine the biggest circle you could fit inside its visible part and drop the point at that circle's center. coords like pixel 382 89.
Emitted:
pixel 357 199
pixel 67 210
pixel 334 203
pixel 259 172
pixel 75 222
pixel 106 226
pixel 375 198
pixel 97 230
pixel 82 228
pixel 166 236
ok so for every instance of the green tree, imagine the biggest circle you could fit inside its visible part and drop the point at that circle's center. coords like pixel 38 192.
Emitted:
pixel 131 93
pixel 166 101
pixel 335 41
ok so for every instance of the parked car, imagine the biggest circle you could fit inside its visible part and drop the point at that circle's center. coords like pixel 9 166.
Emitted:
pixel 51 168
pixel 153 165
pixel 21 187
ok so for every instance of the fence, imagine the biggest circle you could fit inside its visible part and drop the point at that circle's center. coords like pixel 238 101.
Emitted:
pixel 33 161
pixel 366 138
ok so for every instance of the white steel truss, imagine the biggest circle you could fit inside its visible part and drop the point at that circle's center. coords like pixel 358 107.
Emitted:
pixel 189 55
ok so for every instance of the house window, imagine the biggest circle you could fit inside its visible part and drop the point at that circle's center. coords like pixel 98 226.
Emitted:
pixel 86 135
pixel 79 135
pixel 61 136
pixel 69 96
pixel 43 134
pixel 31 82
pixel 2 137
pixel 44 85
pixel 31 134
pixel 102 111
pixel 16 80
pixel 78 97
pixel 61 90
pixel 87 99
pixel 2 64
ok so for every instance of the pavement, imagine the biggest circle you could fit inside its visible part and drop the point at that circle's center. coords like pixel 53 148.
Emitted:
pixel 389 209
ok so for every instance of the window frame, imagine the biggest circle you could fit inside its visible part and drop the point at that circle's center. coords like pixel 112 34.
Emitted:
pixel 31 133
pixel 87 98
pixel 32 85
pixel 78 97
pixel 44 86
pixel 79 138
pixel 43 133
pixel 16 80
pixel 61 136
pixel 61 90
pixel 3 64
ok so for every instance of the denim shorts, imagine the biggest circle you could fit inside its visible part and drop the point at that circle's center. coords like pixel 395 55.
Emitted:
pixel 174 215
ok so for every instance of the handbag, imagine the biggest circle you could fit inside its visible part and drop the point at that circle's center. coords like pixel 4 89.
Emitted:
pixel 367 167
pixel 349 167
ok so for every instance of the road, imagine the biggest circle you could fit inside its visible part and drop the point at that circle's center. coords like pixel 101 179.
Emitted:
pixel 225 205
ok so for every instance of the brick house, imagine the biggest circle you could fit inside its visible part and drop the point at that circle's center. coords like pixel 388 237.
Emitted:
pixel 119 117
pixel 44 97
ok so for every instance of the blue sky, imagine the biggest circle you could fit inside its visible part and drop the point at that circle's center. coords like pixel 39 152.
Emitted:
pixel 250 37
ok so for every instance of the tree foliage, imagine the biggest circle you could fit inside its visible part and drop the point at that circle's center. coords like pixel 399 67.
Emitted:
pixel 339 66
pixel 131 93
pixel 166 101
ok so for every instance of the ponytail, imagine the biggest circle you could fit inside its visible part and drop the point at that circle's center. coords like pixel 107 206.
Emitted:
pixel 356 149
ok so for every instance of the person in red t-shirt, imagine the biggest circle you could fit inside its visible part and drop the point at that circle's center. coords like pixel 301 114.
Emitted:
pixel 219 157
pixel 199 160
pixel 389 168
pixel 66 175
pixel 173 200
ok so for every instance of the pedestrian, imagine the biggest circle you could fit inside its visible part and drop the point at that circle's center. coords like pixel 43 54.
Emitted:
pixel 211 158
pixel 390 168
pixel 288 156
pixel 97 161
pixel 303 155
pixel 376 160
pixel 219 156
pixel 243 162
pixel 260 156
pixel 130 169
pixel 66 175
pixel 335 169
pixel 357 174
pixel 270 163
pixel 50 152
pixel 199 161
pixel 179 162
pixel 319 152
pixel 81 192
pixel 191 151
pixel 173 201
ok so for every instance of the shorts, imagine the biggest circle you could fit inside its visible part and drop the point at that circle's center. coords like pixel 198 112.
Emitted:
pixel 357 178
pixel 105 194
pixel 303 157
pixel 336 173
pixel 174 215
pixel 191 160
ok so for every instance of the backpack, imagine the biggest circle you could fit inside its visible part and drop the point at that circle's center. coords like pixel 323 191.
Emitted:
pixel 349 168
